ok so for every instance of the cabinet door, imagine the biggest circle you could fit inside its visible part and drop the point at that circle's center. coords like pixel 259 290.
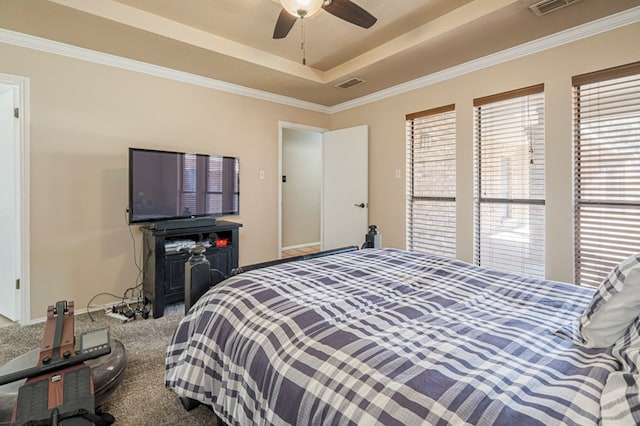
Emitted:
pixel 220 259
pixel 174 285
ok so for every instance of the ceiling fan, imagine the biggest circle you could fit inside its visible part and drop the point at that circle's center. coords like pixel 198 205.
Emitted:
pixel 292 10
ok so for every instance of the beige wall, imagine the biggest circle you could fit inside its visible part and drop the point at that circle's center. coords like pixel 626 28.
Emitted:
pixel 554 68
pixel 302 165
pixel 84 116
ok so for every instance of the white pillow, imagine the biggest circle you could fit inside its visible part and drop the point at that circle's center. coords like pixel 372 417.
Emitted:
pixel 614 307
pixel 627 349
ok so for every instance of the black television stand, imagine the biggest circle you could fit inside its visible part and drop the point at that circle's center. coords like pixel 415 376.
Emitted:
pixel 166 250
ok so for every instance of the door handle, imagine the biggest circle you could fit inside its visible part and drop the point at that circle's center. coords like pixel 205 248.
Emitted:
pixel 361 205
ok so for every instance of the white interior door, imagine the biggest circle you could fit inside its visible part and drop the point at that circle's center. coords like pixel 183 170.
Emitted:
pixel 9 204
pixel 345 188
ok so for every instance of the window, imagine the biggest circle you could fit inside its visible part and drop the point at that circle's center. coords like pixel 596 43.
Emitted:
pixel 606 170
pixel 188 193
pixel 209 184
pixel 509 181
pixel 431 181
pixel 222 187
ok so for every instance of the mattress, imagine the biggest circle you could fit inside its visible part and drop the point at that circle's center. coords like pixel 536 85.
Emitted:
pixel 385 336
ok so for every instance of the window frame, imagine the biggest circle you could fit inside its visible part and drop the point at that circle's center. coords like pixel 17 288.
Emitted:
pixel 600 211
pixel 443 240
pixel 536 269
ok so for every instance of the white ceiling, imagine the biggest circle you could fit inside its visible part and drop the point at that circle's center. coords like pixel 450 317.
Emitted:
pixel 231 40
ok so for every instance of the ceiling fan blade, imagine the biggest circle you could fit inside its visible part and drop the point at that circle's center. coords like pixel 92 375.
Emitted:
pixel 283 24
pixel 350 12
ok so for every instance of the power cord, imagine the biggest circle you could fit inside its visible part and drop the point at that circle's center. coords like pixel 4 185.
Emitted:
pixel 94 297
pixel 123 307
pixel 133 239
pixel 219 273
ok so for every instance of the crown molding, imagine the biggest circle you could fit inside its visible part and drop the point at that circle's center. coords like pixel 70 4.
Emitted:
pixel 62 49
pixel 133 17
pixel 609 23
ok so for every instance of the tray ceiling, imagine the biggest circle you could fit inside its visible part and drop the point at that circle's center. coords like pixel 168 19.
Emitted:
pixel 231 40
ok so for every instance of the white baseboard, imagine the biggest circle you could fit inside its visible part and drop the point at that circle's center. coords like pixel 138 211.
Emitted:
pixel 299 246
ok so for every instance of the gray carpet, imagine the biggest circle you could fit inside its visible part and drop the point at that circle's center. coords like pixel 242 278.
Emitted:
pixel 142 398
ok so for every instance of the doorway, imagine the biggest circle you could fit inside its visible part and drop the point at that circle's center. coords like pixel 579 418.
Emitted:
pixel 300 174
pixel 14 217
pixel 343 187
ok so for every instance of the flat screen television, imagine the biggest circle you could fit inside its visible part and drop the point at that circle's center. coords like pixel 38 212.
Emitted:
pixel 165 185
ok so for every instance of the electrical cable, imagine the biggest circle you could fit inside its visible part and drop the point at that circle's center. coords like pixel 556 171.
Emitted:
pixel 94 297
pixel 141 263
pixel 135 260
pixel 138 280
pixel 217 272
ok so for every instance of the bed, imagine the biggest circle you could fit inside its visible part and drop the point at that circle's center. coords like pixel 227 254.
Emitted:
pixel 385 336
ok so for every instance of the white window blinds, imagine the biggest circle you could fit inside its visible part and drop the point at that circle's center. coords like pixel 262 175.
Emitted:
pixel 606 170
pixel 189 181
pixel 431 181
pixel 509 181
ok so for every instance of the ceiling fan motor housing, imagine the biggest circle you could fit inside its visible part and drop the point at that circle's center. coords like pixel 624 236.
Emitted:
pixel 346 10
pixel 302 8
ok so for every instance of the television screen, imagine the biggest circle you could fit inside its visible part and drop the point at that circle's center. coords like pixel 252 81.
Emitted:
pixel 166 185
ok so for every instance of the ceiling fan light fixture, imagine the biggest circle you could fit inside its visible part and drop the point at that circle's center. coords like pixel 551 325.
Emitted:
pixel 302 8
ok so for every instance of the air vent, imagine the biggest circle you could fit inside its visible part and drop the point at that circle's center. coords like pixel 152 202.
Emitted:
pixel 347 84
pixel 546 6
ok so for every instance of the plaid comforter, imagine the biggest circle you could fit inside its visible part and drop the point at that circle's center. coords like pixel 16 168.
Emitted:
pixel 388 337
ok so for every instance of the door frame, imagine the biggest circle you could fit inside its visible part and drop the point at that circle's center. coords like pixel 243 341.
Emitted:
pixel 295 126
pixel 23 185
